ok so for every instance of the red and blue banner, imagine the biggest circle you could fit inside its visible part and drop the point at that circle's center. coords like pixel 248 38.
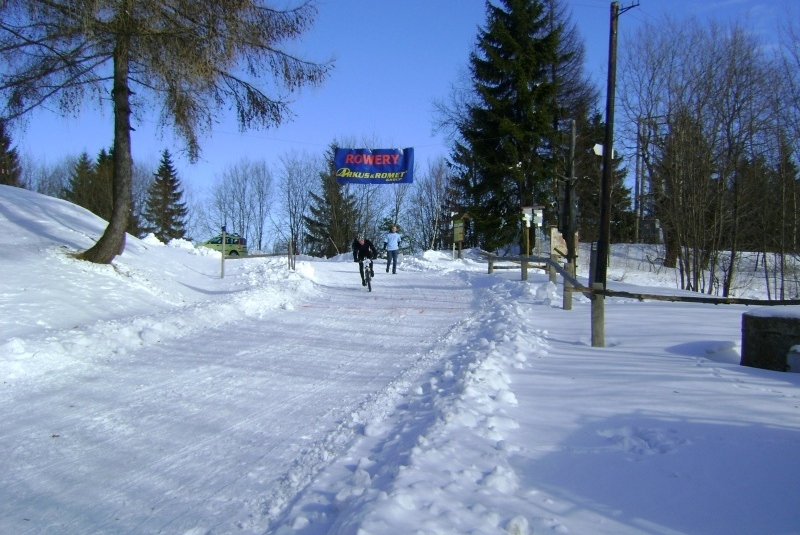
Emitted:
pixel 374 166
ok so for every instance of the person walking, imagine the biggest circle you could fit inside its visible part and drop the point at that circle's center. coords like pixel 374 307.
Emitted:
pixel 391 244
pixel 363 248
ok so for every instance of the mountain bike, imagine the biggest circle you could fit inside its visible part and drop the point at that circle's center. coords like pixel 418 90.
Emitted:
pixel 364 266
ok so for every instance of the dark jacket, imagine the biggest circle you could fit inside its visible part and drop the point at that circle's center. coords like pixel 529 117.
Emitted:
pixel 367 250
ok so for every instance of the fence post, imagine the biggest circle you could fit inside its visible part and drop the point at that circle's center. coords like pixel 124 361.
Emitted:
pixel 567 300
pixel 598 317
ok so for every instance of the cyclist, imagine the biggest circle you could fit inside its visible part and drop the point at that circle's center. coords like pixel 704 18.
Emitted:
pixel 363 248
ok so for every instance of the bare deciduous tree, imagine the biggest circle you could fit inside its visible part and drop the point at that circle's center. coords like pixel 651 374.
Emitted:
pixel 790 117
pixel 47 178
pixel 701 93
pixel 428 206
pixel 241 200
pixel 297 177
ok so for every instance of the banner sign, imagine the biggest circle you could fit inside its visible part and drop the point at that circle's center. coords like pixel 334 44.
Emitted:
pixel 374 166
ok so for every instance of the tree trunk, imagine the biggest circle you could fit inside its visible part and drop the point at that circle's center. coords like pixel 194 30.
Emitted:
pixel 112 242
pixel 734 244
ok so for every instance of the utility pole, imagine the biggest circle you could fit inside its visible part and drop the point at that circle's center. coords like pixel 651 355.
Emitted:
pixel 571 207
pixel 571 201
pixel 222 267
pixel 637 188
pixel 604 241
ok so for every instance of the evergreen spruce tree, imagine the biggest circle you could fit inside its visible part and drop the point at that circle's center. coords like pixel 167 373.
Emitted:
pixel 136 227
pixel 331 227
pixel 578 99
pixel 10 171
pixel 589 171
pixel 91 184
pixel 81 180
pixel 164 211
pixel 514 123
pixel 507 135
pixel 87 185
pixel 103 186
pixel 787 182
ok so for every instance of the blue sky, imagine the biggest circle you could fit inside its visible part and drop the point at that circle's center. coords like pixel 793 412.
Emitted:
pixel 392 60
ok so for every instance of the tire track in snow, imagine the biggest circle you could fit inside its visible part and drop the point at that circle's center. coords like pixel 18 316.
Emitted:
pixel 311 382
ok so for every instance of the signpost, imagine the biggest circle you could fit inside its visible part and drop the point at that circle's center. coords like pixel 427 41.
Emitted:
pixel 224 239
pixel 530 214
pixel 458 232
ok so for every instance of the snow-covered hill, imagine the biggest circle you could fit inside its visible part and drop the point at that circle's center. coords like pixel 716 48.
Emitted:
pixel 153 396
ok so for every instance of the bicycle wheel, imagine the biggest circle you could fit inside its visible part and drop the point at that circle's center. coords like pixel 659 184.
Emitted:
pixel 368 278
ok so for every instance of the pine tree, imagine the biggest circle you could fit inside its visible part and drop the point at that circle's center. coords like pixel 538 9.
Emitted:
pixel 91 184
pixel 577 99
pixel 513 124
pixel 331 228
pixel 165 212
pixel 103 186
pixel 10 171
pixel 136 227
pixel 507 136
pixel 589 171
pixel 82 177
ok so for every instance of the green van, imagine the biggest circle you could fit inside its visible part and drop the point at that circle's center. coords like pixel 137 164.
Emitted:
pixel 235 245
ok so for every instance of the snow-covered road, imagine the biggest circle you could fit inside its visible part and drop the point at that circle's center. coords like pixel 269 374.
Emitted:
pixel 264 398
pixel 155 396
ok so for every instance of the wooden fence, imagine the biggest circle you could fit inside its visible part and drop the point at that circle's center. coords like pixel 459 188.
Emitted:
pixel 546 263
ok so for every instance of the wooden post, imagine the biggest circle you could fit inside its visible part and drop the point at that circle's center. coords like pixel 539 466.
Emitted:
pixel 598 317
pixel 222 269
pixel 292 253
pixel 567 300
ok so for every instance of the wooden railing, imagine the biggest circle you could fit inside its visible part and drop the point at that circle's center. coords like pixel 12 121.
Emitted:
pixel 526 262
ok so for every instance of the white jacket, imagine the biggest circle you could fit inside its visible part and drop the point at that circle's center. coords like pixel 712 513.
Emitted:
pixel 392 241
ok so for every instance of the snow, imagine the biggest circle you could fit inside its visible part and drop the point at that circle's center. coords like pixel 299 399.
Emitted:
pixel 155 396
pixel 788 312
